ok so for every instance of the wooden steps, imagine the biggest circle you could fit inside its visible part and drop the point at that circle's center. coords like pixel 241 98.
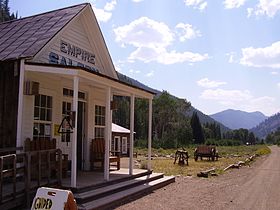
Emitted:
pixel 115 193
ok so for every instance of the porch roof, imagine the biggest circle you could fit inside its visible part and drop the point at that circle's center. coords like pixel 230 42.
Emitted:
pixel 90 75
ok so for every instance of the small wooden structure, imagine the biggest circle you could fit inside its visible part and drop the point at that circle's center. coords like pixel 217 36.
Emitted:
pixel 98 154
pixel 206 151
pixel 120 140
pixel 183 156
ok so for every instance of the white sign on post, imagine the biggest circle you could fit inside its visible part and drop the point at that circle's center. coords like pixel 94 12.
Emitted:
pixel 50 199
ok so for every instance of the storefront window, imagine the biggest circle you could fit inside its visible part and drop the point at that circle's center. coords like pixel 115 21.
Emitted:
pixel 99 130
pixel 42 117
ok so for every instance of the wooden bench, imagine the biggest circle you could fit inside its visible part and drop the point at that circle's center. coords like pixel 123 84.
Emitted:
pixel 206 151
pixel 98 154
pixel 44 144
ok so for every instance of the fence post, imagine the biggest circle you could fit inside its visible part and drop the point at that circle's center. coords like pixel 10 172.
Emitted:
pixel 27 177
pixel 14 174
pixel 1 178
pixel 59 166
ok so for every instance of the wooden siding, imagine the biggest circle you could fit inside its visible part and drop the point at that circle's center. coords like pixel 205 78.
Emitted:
pixel 76 34
pixel 9 84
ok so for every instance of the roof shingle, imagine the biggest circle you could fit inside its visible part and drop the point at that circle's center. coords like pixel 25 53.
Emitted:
pixel 27 36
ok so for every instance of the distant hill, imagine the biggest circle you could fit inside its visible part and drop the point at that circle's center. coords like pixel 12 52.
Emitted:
pixel 235 119
pixel 270 124
pixel 202 117
pixel 205 118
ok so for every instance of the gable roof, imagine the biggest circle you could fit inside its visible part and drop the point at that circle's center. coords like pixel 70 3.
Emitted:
pixel 25 37
pixel 119 129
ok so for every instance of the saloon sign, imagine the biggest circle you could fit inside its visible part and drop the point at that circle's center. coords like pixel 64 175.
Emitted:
pixel 69 51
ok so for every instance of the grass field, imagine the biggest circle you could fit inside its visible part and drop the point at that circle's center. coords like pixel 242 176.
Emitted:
pixel 163 159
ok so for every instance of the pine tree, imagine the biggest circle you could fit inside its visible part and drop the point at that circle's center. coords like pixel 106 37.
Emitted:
pixel 5 14
pixel 198 134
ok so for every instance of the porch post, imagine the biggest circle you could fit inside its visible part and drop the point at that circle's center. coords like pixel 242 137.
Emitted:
pixel 108 133
pixel 20 104
pixel 74 142
pixel 132 100
pixel 150 134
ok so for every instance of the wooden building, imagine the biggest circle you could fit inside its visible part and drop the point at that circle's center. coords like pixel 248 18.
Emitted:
pixel 54 66
pixel 120 140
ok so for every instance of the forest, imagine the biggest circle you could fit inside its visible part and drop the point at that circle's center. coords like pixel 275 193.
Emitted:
pixel 172 128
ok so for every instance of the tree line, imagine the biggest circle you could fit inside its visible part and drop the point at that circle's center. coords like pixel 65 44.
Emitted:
pixel 5 14
pixel 172 128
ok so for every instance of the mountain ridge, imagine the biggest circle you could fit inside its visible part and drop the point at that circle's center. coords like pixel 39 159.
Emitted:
pixel 235 119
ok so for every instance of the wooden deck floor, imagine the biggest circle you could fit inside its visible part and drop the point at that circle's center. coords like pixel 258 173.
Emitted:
pixel 91 178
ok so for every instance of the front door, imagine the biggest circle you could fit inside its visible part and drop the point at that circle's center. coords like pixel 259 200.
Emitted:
pixel 80 135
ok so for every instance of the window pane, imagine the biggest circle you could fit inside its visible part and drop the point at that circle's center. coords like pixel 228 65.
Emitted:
pixel 49 102
pixel 43 114
pixel 49 115
pixel 37 100
pixel 36 129
pixel 36 113
pixel 42 130
pixel 43 101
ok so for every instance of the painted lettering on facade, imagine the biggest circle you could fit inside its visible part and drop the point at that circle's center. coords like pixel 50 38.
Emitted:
pixel 74 51
pixel 77 52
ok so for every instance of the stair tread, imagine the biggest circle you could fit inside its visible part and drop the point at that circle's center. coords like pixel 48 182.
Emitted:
pixel 125 193
pixel 95 192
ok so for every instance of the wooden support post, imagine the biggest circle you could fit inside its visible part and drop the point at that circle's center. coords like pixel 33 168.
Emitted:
pixel 150 135
pixel 74 141
pixel 132 102
pixel 108 133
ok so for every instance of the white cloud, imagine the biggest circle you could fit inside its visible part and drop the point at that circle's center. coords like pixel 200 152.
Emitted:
pixel 274 73
pixel 242 100
pixel 132 71
pixel 206 83
pixel 278 85
pixel 187 31
pixel 150 74
pixel 151 39
pixel 144 32
pixel 265 7
pixel 230 4
pixel 110 6
pixel 162 56
pixel 105 14
pixel 196 4
pixel 137 1
pixel 102 15
pixel 226 95
pixel 262 57
pixel 232 56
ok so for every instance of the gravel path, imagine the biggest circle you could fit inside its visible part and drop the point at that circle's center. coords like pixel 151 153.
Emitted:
pixel 255 187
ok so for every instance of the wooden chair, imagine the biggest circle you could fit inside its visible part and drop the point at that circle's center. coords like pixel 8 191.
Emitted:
pixel 98 154
pixel 44 144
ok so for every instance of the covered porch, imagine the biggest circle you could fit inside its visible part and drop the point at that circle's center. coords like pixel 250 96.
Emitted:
pixel 99 89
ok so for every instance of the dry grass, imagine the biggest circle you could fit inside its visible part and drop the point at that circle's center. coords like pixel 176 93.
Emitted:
pixel 229 155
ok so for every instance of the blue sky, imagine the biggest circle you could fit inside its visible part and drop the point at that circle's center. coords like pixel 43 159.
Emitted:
pixel 216 54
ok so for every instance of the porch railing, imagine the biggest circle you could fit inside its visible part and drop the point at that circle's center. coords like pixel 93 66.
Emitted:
pixel 21 174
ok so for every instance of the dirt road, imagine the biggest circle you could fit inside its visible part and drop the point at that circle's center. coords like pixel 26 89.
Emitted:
pixel 255 187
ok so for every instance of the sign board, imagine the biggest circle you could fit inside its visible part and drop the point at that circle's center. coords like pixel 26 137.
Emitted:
pixel 51 199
